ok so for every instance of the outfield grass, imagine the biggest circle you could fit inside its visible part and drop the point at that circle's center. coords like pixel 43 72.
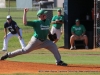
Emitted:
pixel 70 57
pixel 74 73
pixel 12 3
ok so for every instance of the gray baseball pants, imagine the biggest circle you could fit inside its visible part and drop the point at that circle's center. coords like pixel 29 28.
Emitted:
pixel 37 44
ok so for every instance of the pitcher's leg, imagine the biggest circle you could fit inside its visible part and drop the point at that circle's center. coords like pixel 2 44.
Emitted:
pixel 52 48
pixel 55 52
pixel 32 45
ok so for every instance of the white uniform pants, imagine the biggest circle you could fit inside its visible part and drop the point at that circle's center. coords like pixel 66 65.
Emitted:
pixel 57 31
pixel 9 35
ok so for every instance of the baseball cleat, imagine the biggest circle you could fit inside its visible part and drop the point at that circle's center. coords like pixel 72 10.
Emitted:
pixel 72 48
pixel 86 47
pixel 61 63
pixel 5 56
pixel 4 49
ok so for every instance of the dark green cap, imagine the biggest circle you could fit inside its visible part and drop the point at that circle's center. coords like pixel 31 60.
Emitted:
pixel 77 20
pixel 59 9
pixel 40 12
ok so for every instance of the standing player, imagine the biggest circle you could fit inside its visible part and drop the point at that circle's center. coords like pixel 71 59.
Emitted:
pixel 14 30
pixel 39 38
pixel 57 22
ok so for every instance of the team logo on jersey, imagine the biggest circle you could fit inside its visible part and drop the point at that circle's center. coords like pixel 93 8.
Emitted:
pixel 79 28
pixel 9 27
pixel 44 27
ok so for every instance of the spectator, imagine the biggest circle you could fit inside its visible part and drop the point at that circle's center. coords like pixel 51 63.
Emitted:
pixel 78 33
pixel 57 22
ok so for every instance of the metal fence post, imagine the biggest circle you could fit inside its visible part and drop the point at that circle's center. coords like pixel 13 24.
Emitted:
pixel 97 23
pixel 8 7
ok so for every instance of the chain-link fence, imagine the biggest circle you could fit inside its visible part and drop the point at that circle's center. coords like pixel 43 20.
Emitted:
pixel 17 13
pixel 98 23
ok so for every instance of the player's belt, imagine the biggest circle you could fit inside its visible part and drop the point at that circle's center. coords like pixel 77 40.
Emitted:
pixel 57 28
pixel 41 39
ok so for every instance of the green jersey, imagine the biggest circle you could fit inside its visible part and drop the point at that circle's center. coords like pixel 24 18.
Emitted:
pixel 41 28
pixel 61 18
pixel 78 30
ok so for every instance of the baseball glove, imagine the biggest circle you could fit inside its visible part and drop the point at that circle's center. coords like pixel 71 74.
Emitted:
pixel 52 37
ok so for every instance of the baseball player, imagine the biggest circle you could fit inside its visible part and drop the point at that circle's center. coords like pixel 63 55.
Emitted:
pixel 57 22
pixel 39 38
pixel 14 30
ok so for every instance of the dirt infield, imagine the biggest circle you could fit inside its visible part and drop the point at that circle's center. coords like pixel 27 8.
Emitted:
pixel 9 67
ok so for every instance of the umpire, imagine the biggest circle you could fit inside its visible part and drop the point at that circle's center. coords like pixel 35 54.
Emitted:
pixel 39 38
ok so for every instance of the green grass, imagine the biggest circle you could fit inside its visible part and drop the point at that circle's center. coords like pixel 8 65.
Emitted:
pixel 82 58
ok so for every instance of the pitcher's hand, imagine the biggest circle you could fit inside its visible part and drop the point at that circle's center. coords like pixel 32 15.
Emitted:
pixel 26 10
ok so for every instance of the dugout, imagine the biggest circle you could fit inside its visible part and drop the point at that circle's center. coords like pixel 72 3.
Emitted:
pixel 74 9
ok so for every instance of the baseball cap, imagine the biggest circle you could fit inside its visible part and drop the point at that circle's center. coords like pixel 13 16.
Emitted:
pixel 40 12
pixel 77 20
pixel 59 9
pixel 8 17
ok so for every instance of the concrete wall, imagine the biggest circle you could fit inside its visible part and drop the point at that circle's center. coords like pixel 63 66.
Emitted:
pixel 58 3
pixel 24 3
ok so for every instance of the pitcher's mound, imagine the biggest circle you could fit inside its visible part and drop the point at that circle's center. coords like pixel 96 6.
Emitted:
pixel 9 67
